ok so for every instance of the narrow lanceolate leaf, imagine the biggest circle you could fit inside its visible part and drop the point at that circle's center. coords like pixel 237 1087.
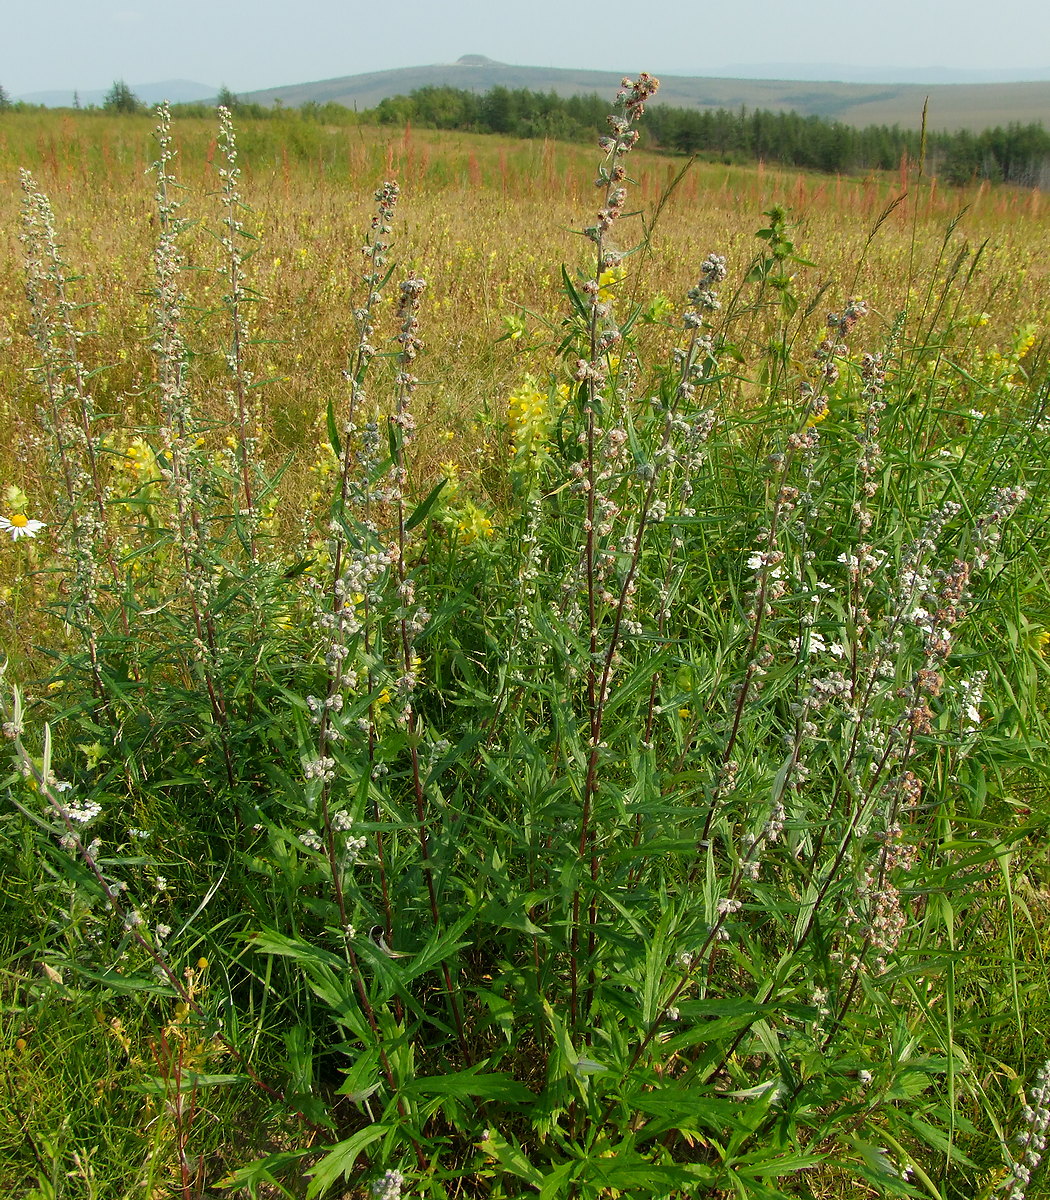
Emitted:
pixel 574 295
pixel 656 957
pixel 487 1086
pixel 333 432
pixel 422 510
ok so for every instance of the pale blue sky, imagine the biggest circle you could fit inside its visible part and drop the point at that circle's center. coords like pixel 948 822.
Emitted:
pixel 250 44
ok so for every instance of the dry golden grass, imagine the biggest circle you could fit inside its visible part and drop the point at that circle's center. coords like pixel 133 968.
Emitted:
pixel 487 222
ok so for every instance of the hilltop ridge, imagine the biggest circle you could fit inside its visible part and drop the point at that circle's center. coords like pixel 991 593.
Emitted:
pixel 951 106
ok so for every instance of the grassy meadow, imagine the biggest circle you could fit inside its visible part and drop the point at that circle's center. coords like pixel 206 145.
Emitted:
pixel 551 705
pixel 491 222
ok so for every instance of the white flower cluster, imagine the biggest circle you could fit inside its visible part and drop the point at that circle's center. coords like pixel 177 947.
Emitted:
pixel 810 642
pixel 81 814
pixel 388 1186
pixel 772 831
pixel 352 850
pixel 972 691
pixel 1032 1141
pixel 762 559
pixel 322 768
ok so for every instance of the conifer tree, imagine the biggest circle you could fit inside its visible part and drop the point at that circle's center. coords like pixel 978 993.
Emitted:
pixel 120 98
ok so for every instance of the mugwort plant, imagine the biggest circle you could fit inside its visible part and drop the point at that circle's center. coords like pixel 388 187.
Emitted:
pixel 642 822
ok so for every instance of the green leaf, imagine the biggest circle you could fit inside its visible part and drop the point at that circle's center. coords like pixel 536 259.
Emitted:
pixel 910 1082
pixel 681 1108
pixel 574 295
pixel 261 1171
pixel 493 1085
pixel 421 511
pixel 580 1066
pixel 776 1164
pixel 188 1081
pixel 876 1166
pixel 269 941
pixel 497 912
pixel 117 982
pixel 340 1160
pixel 553 1186
pixel 624 1170
pixel 936 1138
pixel 656 956
pixel 362 1079
pixel 333 433
pixel 298 567
pixel 511 1158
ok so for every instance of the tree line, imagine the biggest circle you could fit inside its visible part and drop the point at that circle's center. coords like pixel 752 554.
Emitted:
pixel 1016 153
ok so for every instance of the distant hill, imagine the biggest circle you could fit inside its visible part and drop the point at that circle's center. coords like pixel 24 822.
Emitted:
pixel 952 106
pixel 178 91
pixel 847 73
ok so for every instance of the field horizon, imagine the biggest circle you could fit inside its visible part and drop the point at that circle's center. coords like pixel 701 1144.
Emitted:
pixel 952 106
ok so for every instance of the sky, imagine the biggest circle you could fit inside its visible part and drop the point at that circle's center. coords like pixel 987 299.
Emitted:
pixel 251 44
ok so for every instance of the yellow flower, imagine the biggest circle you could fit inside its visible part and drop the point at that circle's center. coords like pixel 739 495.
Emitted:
pixel 326 462
pixel 516 328
pixel 660 308
pixel 140 456
pixel 820 415
pixel 1024 340
pixel 530 418
pixel 1037 639
pixel 608 280
pixel 450 470
pixel 473 524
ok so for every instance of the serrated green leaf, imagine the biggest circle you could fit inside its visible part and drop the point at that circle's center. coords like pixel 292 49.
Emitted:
pixel 341 1159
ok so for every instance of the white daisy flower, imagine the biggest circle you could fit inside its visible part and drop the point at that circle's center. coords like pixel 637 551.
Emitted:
pixel 20 525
